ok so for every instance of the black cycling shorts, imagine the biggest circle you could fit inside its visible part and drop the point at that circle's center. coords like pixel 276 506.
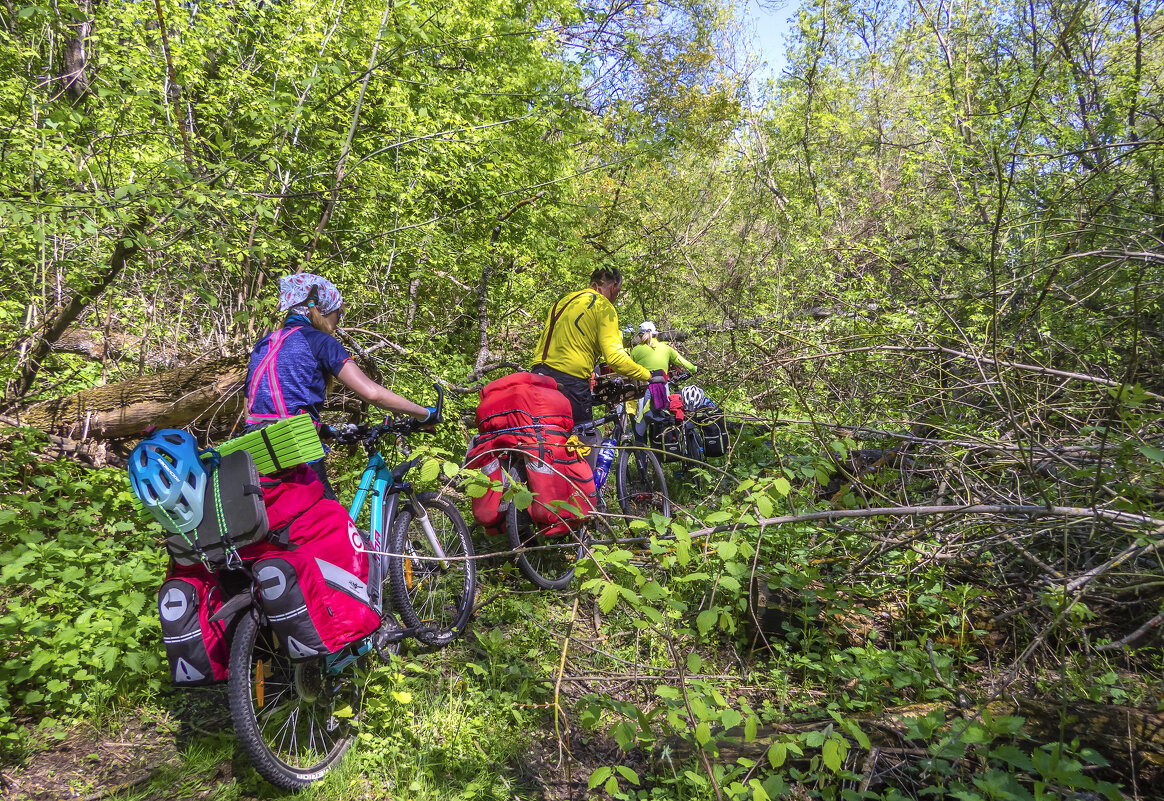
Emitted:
pixel 576 390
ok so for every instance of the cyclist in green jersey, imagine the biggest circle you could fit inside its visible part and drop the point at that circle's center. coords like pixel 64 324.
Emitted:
pixel 581 327
pixel 654 354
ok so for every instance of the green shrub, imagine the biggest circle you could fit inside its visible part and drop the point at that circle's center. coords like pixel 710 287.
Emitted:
pixel 78 577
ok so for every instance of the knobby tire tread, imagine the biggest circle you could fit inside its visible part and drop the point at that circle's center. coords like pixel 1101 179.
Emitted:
pixel 657 478
pixel 246 725
pixel 436 505
pixel 518 527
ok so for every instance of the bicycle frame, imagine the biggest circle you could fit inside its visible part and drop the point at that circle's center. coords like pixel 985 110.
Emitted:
pixel 387 483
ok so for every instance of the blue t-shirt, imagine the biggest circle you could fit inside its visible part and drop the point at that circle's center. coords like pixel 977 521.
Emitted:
pixel 307 358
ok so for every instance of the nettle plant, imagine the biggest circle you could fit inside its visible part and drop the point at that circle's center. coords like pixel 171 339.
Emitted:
pixel 79 570
pixel 686 591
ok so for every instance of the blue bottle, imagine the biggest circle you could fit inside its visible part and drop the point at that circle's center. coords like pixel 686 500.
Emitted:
pixel 603 462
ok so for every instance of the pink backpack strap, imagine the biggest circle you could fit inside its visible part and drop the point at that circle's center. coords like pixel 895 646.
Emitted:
pixel 267 371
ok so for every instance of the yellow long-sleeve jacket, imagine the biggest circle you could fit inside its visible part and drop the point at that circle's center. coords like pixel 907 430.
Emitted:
pixel 579 328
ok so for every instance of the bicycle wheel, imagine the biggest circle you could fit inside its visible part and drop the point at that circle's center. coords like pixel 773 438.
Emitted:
pixel 433 595
pixel 551 568
pixel 292 719
pixel 641 485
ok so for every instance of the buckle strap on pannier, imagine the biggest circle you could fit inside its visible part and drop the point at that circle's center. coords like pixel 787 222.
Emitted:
pixel 282 536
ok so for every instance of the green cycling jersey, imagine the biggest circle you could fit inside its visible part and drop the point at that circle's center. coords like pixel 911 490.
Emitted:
pixel 656 355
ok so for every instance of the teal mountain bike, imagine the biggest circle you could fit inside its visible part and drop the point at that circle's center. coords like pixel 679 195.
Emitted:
pixel 295 720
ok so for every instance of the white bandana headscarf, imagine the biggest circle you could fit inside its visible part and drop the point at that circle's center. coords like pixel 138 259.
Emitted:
pixel 294 290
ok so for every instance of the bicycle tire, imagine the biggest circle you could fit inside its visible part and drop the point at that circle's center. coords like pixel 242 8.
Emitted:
pixel 284 712
pixel 552 568
pixel 641 484
pixel 434 598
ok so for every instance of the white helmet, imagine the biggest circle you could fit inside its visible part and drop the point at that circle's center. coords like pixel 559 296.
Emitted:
pixel 693 397
pixel 647 327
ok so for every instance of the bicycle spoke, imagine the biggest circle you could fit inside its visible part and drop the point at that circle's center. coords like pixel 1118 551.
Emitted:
pixel 426 590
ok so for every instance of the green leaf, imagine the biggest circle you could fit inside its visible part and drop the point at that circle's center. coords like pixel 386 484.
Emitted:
pixel 750 726
pixel 855 732
pixel 628 774
pixel 706 620
pixel 429 470
pixel 777 754
pixel 764 506
pixel 703 733
pixel 833 753
pixel 598 777
pixel 1155 454
pixel 523 498
pixel 608 598
pixel 694 662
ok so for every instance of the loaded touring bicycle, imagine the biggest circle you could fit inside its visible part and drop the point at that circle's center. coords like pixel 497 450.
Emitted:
pixel 274 589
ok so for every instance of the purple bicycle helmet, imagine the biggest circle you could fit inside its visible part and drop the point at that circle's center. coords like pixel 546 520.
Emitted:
pixel 168 478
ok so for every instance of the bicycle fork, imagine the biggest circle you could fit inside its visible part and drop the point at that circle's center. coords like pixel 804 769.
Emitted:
pixel 420 514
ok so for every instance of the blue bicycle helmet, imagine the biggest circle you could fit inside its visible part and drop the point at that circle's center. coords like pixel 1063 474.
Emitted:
pixel 168 478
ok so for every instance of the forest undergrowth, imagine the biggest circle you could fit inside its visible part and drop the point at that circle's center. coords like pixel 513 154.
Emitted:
pixel 925 263
pixel 942 615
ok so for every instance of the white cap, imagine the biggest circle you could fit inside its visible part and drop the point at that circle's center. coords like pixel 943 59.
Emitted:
pixel 647 327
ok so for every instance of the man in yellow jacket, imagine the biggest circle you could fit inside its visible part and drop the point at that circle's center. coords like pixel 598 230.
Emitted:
pixel 581 327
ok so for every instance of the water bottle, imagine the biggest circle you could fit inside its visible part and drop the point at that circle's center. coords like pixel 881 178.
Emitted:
pixel 603 462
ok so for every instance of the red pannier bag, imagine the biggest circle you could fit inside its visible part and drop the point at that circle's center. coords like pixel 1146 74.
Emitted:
pixel 562 483
pixel 315 590
pixel 197 649
pixel 487 509
pixel 523 401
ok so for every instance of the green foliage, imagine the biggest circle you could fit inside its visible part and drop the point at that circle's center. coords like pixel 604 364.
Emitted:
pixel 78 579
pixel 938 240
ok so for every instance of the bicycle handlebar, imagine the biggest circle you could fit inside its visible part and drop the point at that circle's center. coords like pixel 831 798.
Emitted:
pixel 611 389
pixel 369 433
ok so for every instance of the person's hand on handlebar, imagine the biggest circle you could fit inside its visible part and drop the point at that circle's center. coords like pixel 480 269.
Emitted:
pixel 433 420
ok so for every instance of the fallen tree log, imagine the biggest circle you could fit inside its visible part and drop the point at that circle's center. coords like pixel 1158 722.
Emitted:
pixel 95 453
pixel 199 394
pixel 207 397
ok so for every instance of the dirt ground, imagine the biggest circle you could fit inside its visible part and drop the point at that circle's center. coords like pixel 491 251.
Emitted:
pixel 125 756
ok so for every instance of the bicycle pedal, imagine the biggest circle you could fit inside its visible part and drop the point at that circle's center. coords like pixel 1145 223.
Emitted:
pixel 386 639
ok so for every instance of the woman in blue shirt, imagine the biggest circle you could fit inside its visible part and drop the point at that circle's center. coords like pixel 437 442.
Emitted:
pixel 290 368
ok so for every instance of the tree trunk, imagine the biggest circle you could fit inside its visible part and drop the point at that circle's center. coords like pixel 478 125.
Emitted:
pixel 125 248
pixel 76 58
pixel 199 394
pixel 98 345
